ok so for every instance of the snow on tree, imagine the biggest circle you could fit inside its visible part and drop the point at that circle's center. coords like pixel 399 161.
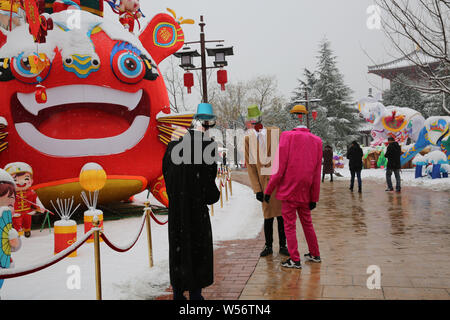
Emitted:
pixel 402 95
pixel 337 122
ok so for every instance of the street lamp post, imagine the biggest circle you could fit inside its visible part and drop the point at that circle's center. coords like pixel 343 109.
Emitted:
pixel 306 101
pixel 203 58
pixel 219 52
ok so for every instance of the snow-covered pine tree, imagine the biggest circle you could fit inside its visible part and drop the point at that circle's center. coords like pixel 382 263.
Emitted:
pixel 402 95
pixel 337 122
pixel 320 126
pixel 433 104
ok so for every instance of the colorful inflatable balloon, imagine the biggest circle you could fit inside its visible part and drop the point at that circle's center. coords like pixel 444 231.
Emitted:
pixel 436 132
pixel 104 95
pixel 391 121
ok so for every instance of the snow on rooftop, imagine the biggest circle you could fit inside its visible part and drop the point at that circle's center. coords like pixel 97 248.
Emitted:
pixel 415 57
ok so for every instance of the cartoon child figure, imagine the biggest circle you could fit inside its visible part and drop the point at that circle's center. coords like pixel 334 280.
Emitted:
pixel 10 240
pixel 128 13
pixel 26 198
pixel 128 10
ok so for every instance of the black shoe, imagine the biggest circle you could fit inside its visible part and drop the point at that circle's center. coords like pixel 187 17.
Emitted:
pixel 389 189
pixel 360 190
pixel 351 189
pixel 399 190
pixel 266 251
pixel 284 251
pixel 311 258
pixel 291 264
pixel 27 234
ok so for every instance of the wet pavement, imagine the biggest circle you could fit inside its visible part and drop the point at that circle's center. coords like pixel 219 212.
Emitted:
pixel 405 236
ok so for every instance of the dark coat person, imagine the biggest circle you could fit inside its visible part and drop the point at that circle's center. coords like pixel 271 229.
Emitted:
pixel 393 154
pixel 328 167
pixel 355 155
pixel 190 188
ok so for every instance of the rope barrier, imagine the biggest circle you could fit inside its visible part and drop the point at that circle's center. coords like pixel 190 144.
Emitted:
pixel 124 248
pixel 156 220
pixel 14 273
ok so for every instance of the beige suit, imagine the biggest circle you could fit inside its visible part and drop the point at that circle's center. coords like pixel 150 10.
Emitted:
pixel 259 165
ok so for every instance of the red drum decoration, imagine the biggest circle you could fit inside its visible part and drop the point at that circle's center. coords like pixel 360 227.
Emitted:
pixel 222 78
pixel 88 222
pixel 189 81
pixel 65 235
pixel 314 114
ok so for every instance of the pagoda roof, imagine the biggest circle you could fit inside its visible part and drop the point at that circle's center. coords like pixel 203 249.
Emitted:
pixel 407 64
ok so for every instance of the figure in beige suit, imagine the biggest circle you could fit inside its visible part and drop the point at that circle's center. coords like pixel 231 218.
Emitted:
pixel 260 144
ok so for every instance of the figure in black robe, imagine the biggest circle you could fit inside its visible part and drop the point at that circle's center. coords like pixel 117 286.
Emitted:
pixel 190 169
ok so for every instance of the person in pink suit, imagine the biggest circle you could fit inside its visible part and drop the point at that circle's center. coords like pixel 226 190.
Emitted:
pixel 297 177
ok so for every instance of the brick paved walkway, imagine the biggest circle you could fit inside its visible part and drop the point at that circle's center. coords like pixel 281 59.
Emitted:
pixel 406 235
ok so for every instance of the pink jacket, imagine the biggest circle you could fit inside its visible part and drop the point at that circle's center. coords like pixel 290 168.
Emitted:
pixel 299 159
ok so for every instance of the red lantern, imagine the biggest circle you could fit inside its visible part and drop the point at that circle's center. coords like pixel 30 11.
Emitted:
pixel 314 114
pixel 300 116
pixel 189 81
pixel 222 78
pixel 40 94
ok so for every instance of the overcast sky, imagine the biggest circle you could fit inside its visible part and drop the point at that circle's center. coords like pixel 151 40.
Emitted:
pixel 282 37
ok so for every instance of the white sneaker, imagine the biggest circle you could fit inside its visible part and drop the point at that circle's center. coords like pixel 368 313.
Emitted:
pixel 291 264
pixel 309 257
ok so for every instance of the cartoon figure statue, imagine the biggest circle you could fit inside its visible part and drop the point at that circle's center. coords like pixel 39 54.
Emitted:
pixel 26 198
pixel 7 190
pixel 391 121
pixel 128 10
pixel 10 240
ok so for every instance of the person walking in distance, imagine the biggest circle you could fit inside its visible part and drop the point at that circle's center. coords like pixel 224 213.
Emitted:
pixel 297 177
pixel 260 143
pixel 393 154
pixel 328 167
pixel 355 155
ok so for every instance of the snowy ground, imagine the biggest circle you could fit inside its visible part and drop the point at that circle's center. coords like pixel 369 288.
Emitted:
pixel 124 275
pixel 407 176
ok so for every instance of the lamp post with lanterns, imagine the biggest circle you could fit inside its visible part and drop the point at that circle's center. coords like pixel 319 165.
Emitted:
pixel 306 102
pixel 219 52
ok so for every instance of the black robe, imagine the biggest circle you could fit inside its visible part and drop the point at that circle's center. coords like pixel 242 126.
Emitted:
pixel 190 187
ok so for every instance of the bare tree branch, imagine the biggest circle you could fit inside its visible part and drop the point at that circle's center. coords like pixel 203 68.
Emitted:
pixel 419 32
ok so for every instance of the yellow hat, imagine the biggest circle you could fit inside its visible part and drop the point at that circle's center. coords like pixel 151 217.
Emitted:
pixel 299 109
pixel 18 167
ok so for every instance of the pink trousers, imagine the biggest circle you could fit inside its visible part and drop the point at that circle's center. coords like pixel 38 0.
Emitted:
pixel 289 211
